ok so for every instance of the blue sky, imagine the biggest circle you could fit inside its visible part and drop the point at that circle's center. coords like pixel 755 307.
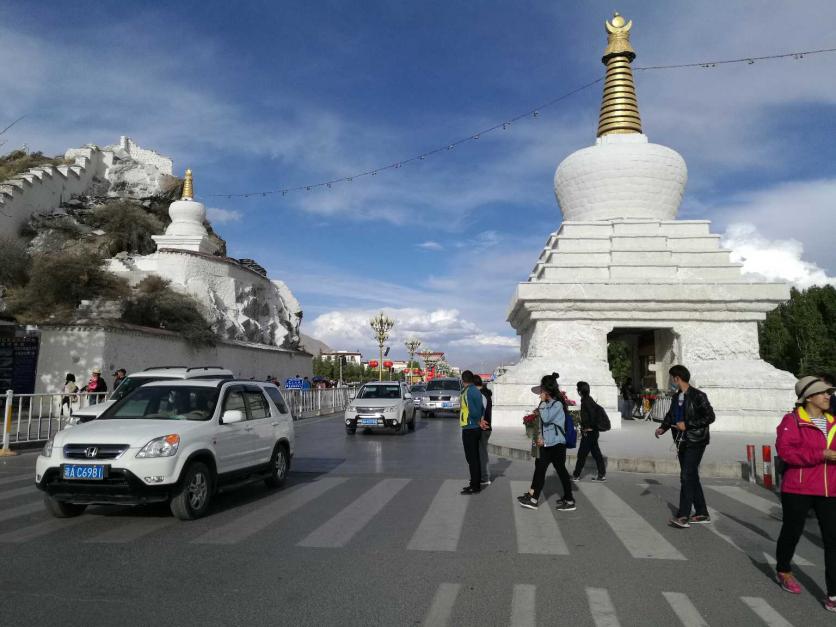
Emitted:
pixel 264 95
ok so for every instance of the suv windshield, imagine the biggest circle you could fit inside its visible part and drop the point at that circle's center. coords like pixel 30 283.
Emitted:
pixel 416 388
pixel 444 384
pixel 129 385
pixel 380 391
pixel 165 402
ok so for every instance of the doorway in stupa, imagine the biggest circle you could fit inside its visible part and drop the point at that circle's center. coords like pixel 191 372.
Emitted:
pixel 642 354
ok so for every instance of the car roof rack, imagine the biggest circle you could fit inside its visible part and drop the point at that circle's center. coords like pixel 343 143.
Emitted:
pixel 184 368
pixel 205 368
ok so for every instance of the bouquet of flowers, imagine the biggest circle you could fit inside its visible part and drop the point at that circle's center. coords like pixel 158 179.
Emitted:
pixel 532 431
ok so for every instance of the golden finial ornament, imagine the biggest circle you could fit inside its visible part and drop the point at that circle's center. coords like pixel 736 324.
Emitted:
pixel 619 107
pixel 188 187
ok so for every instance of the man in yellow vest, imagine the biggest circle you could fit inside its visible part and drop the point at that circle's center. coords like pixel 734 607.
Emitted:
pixel 470 418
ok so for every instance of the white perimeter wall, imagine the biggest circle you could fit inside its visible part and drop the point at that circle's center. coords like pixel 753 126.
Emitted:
pixel 79 349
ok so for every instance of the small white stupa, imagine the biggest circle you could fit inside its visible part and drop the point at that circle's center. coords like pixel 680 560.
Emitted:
pixel 186 231
pixel 622 267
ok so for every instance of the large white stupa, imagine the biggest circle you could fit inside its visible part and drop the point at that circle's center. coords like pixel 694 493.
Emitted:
pixel 622 267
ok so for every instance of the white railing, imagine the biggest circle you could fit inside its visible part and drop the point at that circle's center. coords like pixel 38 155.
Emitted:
pixel 37 417
pixel 29 418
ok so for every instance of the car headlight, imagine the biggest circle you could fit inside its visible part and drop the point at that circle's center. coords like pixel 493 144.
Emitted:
pixel 165 446
pixel 47 452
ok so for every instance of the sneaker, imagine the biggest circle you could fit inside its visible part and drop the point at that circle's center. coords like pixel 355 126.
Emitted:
pixel 681 522
pixel 830 604
pixel 485 484
pixel 566 506
pixel 701 519
pixel 469 490
pixel 600 478
pixel 528 501
pixel 790 584
pixel 576 479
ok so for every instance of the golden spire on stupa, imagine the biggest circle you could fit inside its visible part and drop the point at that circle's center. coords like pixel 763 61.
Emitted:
pixel 619 107
pixel 188 187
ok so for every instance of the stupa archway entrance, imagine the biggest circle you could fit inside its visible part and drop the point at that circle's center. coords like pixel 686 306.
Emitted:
pixel 645 354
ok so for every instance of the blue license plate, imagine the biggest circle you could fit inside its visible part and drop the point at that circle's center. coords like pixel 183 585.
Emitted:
pixel 85 472
pixel 447 404
pixel 368 421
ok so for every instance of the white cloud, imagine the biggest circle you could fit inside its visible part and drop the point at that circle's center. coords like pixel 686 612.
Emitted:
pixel 431 245
pixel 773 259
pixel 488 340
pixel 222 216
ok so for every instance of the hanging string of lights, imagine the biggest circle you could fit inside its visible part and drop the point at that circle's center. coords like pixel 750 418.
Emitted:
pixel 506 124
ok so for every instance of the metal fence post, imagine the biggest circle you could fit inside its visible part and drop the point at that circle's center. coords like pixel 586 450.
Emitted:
pixel 6 451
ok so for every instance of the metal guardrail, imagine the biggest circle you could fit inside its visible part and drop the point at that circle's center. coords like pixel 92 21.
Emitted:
pixel 31 418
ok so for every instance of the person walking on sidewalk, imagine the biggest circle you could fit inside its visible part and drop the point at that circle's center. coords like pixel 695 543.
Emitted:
pixel 552 443
pixel 472 411
pixel 806 444
pixel 485 425
pixel 688 419
pixel 592 415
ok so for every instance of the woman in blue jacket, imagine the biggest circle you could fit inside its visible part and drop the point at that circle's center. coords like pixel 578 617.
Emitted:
pixel 552 443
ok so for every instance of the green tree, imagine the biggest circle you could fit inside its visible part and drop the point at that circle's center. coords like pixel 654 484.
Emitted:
pixel 620 359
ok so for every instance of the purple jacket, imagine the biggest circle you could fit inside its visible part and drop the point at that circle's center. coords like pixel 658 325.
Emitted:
pixel 801 445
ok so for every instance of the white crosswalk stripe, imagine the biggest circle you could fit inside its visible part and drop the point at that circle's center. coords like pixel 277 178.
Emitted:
pixel 766 612
pixel 249 524
pixel 39 530
pixel 537 530
pixel 523 606
pixel 10 494
pixel 684 609
pixel 766 506
pixel 799 561
pixel 441 526
pixel 130 531
pixel 21 510
pixel 639 537
pixel 442 606
pixel 601 608
pixel 17 478
pixel 341 528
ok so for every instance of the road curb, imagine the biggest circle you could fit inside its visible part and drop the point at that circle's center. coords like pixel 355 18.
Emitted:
pixel 715 470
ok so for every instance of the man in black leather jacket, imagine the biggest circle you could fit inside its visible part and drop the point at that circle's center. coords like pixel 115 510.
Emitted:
pixel 688 419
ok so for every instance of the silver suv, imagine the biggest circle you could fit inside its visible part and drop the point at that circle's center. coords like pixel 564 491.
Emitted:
pixel 135 379
pixel 442 396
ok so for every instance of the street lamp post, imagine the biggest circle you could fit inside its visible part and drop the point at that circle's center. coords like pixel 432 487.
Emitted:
pixel 381 325
pixel 412 346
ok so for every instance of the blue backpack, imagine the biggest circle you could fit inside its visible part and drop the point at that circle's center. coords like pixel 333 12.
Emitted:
pixel 570 434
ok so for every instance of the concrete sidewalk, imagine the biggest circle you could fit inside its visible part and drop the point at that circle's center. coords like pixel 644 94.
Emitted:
pixel 633 448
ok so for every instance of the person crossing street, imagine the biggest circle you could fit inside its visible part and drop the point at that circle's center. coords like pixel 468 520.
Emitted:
pixel 471 413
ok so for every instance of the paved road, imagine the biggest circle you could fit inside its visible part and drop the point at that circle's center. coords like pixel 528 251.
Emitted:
pixel 371 530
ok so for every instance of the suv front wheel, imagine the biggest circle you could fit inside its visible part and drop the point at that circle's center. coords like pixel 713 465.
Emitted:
pixel 191 500
pixel 59 509
pixel 278 467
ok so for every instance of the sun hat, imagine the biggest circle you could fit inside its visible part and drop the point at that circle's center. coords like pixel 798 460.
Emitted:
pixel 806 387
pixel 97 371
pixel 537 389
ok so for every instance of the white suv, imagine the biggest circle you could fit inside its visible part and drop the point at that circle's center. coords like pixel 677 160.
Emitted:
pixel 170 441
pixel 381 405
pixel 135 379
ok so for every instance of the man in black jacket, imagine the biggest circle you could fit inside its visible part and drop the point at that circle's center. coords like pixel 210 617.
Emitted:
pixel 688 419
pixel 590 411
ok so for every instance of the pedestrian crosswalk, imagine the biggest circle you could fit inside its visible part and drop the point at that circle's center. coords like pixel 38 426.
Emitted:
pixel 603 612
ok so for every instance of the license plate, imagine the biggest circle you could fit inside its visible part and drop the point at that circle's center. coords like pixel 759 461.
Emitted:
pixel 85 472
pixel 447 404
pixel 368 421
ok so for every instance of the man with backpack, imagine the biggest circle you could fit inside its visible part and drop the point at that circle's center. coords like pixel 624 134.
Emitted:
pixel 594 419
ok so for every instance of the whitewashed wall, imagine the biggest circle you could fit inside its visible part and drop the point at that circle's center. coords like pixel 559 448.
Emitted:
pixel 79 349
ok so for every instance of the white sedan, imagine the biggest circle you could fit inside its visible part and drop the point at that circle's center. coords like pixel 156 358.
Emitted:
pixel 381 405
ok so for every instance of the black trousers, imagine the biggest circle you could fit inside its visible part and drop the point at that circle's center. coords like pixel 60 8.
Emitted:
pixel 556 456
pixel 795 508
pixel 470 440
pixel 690 491
pixel 589 444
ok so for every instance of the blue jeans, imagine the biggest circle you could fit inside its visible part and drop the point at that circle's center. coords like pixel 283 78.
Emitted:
pixel 690 492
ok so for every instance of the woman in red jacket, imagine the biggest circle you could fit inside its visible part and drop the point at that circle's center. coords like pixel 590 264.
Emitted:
pixel 806 445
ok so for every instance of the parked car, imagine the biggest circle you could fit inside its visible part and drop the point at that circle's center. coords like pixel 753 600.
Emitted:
pixel 381 405
pixel 442 396
pixel 417 391
pixel 134 380
pixel 170 441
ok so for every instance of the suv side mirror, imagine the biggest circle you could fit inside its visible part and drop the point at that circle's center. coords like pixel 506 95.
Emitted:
pixel 407 395
pixel 231 416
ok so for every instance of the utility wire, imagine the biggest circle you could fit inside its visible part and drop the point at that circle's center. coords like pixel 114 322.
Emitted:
pixel 531 113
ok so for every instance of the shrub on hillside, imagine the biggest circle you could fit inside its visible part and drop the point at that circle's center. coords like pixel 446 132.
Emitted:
pixel 58 283
pixel 128 226
pixel 15 262
pixel 18 161
pixel 155 304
